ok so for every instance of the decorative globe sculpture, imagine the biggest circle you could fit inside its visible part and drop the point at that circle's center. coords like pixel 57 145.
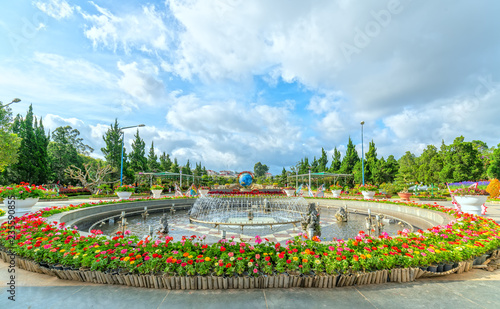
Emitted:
pixel 245 179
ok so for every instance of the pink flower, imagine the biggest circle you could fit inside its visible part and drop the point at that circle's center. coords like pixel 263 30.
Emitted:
pixel 255 270
pixel 230 254
pixel 123 251
pixel 257 256
pixel 146 258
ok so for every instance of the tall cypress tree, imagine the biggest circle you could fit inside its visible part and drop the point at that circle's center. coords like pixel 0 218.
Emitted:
pixel 165 162
pixel 371 163
pixel 32 165
pixel 350 159
pixel 336 161
pixel 113 150
pixel 138 161
pixel 153 165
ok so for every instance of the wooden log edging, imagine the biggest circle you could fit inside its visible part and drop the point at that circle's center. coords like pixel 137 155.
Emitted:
pixel 164 281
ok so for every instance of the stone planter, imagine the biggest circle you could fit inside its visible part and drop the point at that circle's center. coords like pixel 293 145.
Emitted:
pixel 124 195
pixel 405 196
pixel 471 203
pixel 204 192
pixel 290 192
pixel 368 195
pixel 156 193
pixel 336 193
pixel 24 204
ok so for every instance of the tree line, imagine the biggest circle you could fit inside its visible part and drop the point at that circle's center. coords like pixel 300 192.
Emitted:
pixel 459 161
pixel 28 153
pixel 32 155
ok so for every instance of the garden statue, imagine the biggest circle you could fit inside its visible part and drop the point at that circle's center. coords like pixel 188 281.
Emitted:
pixel 341 214
pixel 310 224
pixel 164 224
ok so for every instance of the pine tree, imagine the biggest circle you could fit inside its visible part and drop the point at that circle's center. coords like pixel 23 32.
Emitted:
pixel 165 162
pixel 138 161
pixel 113 150
pixel 33 161
pixel 174 168
pixel 370 163
pixel 350 159
pixel 322 161
pixel 153 165
pixel 336 161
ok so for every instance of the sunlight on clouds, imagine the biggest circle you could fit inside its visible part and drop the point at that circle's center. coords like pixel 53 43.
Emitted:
pixel 129 30
pixel 58 9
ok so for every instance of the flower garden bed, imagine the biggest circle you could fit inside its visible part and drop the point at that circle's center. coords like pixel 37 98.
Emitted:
pixel 51 248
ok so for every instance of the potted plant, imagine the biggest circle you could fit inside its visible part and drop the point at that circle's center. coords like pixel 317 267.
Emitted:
pixel 368 191
pixel 156 190
pixel 470 199
pixel 23 195
pixel 124 191
pixel 290 191
pixel 204 190
pixel 336 190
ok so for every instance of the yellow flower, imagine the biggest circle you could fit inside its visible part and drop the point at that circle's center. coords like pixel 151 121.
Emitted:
pixel 317 261
pixel 368 255
pixel 75 257
pixel 126 259
pixel 85 254
pixel 190 257
pixel 62 250
pixel 37 249
pixel 265 253
pixel 97 251
pixel 132 262
pixel 438 251
pixel 295 258
pixel 207 259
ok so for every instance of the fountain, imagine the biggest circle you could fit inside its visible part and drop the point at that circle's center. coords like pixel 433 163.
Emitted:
pixel 248 211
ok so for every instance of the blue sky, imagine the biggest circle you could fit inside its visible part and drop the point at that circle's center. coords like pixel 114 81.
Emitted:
pixel 232 82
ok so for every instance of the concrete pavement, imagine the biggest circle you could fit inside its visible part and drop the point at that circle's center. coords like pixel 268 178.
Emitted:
pixel 475 289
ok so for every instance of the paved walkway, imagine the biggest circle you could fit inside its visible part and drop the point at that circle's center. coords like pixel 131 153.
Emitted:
pixel 475 289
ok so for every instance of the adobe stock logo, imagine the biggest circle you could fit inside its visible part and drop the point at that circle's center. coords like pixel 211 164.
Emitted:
pixel 28 31
pixel 363 37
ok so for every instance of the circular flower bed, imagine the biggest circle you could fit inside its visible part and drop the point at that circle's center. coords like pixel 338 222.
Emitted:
pixel 33 237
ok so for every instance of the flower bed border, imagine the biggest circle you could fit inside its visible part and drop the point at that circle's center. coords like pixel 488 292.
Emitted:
pixel 285 280
pixel 112 276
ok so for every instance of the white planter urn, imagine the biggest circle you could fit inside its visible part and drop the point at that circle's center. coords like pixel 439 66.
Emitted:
pixel 368 195
pixel 336 193
pixel 156 193
pixel 471 203
pixel 124 195
pixel 204 192
pixel 290 192
pixel 21 204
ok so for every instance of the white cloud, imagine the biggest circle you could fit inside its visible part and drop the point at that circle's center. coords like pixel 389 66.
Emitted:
pixel 144 29
pixel 141 82
pixel 58 9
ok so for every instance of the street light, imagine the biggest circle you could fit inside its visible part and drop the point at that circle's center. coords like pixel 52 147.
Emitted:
pixel 16 100
pixel 362 155
pixel 123 138
pixel 309 167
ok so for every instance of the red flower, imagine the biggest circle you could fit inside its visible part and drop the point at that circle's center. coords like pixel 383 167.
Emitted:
pixel 228 265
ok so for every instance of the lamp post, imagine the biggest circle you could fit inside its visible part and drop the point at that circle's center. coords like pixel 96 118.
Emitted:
pixel 123 138
pixel 362 155
pixel 310 178
pixel 16 100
